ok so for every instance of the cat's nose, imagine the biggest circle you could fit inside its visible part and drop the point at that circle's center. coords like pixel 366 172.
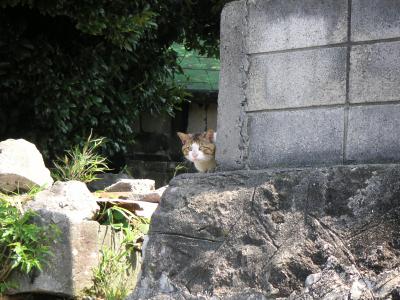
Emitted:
pixel 194 155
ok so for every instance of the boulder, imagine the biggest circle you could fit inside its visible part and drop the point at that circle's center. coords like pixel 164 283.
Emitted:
pixel 71 198
pixel 312 233
pixel 70 270
pixel 22 166
pixel 71 207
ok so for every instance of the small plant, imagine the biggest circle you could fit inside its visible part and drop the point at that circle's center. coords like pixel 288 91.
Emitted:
pixel 126 170
pixel 180 168
pixel 17 198
pixel 81 163
pixel 24 246
pixel 112 279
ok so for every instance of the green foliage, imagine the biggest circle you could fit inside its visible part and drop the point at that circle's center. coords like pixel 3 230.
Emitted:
pixel 120 219
pixel 81 163
pixel 24 246
pixel 68 66
pixel 113 278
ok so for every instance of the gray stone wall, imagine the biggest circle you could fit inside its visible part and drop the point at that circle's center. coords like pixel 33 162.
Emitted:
pixel 309 82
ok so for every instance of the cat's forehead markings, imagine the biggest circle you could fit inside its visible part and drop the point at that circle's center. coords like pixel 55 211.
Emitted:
pixel 195 147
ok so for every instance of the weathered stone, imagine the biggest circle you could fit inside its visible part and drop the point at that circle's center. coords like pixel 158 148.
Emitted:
pixel 262 234
pixel 373 134
pixel 316 77
pixel 374 20
pixel 22 166
pixel 278 25
pixel 296 138
pixel 375 73
pixel 145 209
pixel 139 186
pixel 70 270
pixel 71 198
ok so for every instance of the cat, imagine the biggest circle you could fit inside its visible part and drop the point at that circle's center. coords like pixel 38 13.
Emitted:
pixel 199 148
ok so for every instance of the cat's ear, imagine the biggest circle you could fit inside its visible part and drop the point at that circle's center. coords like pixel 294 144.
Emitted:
pixel 184 137
pixel 210 135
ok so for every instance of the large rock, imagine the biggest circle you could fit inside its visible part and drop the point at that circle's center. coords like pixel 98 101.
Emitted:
pixel 69 272
pixel 71 207
pixel 71 198
pixel 22 166
pixel 326 233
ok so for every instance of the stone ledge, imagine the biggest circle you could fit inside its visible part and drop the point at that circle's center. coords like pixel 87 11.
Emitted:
pixel 276 233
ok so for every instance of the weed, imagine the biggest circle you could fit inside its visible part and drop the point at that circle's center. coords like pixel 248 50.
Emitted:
pixel 24 246
pixel 113 278
pixel 81 163
pixel 180 168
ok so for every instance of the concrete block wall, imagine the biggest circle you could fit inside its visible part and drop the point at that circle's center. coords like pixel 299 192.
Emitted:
pixel 309 82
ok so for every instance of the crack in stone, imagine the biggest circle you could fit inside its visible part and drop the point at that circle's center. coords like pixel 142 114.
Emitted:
pixel 256 215
pixel 370 225
pixel 187 236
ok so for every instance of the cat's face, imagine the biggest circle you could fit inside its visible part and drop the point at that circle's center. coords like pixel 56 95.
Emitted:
pixel 198 147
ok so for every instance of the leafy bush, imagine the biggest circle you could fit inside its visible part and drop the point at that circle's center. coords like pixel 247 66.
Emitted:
pixel 68 66
pixel 24 246
pixel 81 163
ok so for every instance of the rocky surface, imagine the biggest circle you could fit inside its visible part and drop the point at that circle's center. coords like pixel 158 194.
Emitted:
pixel 22 166
pixel 71 207
pixel 325 233
pixel 76 253
pixel 70 198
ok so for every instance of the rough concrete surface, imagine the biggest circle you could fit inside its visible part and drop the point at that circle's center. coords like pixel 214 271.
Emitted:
pixel 286 24
pixel 373 133
pixel 231 97
pixel 297 79
pixel 296 138
pixel 375 19
pixel 375 72
pixel 317 233
pixel 293 55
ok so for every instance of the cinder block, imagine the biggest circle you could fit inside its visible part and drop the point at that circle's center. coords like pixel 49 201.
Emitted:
pixel 287 24
pixel 375 19
pixel 375 72
pixel 296 138
pixel 297 79
pixel 373 133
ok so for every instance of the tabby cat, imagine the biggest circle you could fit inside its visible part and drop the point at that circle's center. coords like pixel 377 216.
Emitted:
pixel 199 148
